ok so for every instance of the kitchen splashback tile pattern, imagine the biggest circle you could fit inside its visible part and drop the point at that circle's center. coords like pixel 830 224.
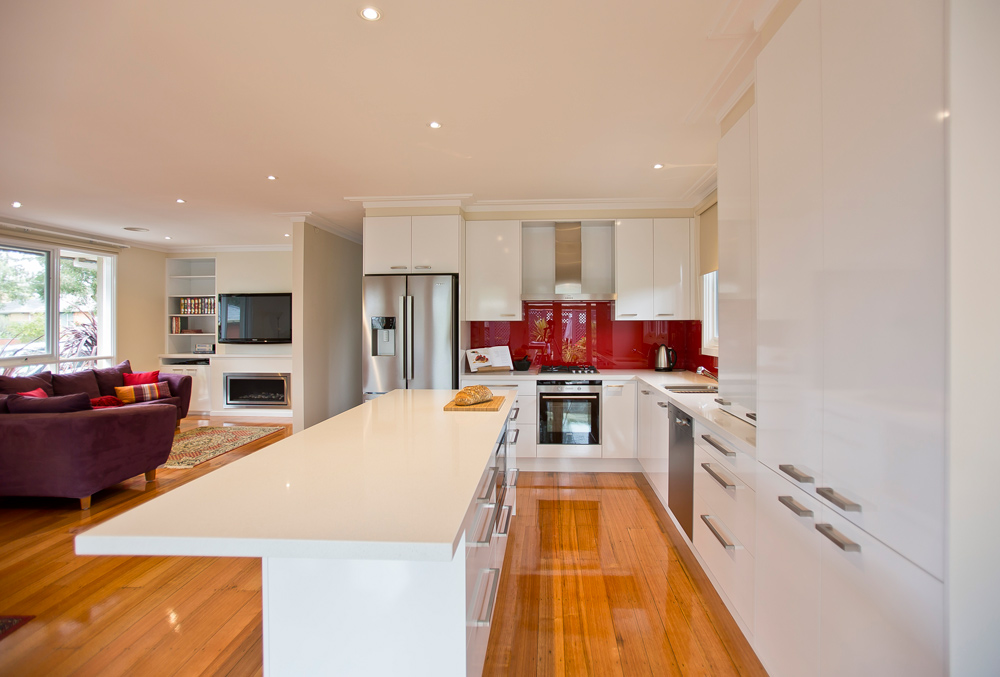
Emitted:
pixel 586 332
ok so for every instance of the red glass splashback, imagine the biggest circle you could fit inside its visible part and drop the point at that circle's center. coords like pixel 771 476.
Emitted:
pixel 587 333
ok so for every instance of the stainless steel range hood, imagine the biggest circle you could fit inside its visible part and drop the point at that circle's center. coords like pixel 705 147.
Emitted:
pixel 569 283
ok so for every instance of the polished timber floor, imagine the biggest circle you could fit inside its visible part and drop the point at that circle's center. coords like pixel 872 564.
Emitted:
pixel 593 585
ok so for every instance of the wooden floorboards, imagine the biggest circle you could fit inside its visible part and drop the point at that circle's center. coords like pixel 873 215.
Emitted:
pixel 592 586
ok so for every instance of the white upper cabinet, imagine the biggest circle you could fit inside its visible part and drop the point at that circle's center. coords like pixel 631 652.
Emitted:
pixel 738 262
pixel 885 243
pixel 493 270
pixel 412 244
pixel 671 269
pixel 790 249
pixel 653 269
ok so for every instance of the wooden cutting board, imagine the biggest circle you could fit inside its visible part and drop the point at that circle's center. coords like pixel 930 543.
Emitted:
pixel 491 405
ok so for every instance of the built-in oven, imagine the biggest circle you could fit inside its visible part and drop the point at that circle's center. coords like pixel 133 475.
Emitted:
pixel 569 418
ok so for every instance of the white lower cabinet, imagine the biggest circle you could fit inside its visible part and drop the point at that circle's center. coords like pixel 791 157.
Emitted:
pixel 832 600
pixel 618 418
pixel 201 391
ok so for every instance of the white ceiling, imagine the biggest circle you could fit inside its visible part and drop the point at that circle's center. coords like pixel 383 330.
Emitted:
pixel 110 110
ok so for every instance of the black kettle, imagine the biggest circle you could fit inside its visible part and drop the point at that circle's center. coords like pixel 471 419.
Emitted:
pixel 666 358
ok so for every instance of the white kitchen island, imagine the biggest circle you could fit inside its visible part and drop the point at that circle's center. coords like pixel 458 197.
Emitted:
pixel 381 533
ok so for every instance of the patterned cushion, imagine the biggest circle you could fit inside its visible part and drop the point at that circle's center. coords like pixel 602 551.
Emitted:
pixel 145 392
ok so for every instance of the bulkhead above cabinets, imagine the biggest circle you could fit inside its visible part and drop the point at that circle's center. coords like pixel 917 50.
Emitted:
pixel 568 260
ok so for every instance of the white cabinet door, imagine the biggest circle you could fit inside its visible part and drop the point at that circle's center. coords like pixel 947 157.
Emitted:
pixel 436 244
pixel 493 270
pixel 879 613
pixel 737 262
pixel 671 269
pixel 787 578
pixel 790 247
pixel 634 269
pixel 201 391
pixel 618 418
pixel 659 447
pixel 386 248
pixel 885 292
pixel 644 424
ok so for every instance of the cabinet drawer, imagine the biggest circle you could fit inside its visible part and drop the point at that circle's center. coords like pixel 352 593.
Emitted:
pixel 734 506
pixel 729 561
pixel 743 465
pixel 524 388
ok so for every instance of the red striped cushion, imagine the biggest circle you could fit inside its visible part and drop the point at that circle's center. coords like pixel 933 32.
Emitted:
pixel 145 392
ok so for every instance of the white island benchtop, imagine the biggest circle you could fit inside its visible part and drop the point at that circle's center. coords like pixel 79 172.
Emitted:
pixel 391 479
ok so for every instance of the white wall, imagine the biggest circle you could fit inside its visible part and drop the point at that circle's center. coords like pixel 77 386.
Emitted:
pixel 326 317
pixel 973 581
pixel 140 310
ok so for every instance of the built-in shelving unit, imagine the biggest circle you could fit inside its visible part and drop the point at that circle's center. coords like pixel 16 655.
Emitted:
pixel 191 312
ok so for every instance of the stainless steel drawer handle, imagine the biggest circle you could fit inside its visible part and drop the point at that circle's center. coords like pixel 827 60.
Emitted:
pixel 517 433
pixel 840 501
pixel 664 314
pixel 795 506
pixel 488 489
pixel 664 405
pixel 505 521
pixel 839 539
pixel 682 422
pixel 399 267
pixel 718 445
pixel 514 412
pixel 644 392
pixel 492 509
pixel 726 484
pixel 508 314
pixel 725 403
pixel 710 521
pixel 627 314
pixel 621 386
pixel 796 474
pixel 422 267
pixel 512 482
pixel 484 621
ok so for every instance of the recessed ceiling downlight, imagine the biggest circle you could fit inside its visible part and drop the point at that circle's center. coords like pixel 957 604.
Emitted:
pixel 180 201
pixel 167 237
pixel 137 229
pixel 370 14
pixel 271 177
pixel 657 166
pixel 435 125
pixel 15 205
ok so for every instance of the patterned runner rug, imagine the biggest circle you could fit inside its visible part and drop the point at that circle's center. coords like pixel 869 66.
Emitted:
pixel 9 624
pixel 198 445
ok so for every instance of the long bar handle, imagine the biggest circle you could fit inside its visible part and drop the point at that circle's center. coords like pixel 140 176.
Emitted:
pixel 796 474
pixel 662 405
pixel 492 508
pixel 838 500
pixel 795 506
pixel 409 338
pixel 682 421
pixel 664 314
pixel 628 314
pixel 644 392
pixel 505 521
pixel 514 412
pixel 422 267
pixel 489 486
pixel 719 445
pixel 492 598
pixel 839 539
pixel 517 433
pixel 726 484
pixel 399 267
pixel 710 521
pixel 567 396
pixel 512 482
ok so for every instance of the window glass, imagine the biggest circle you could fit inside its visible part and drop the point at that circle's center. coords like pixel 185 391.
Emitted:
pixel 84 308
pixel 24 307
pixel 710 313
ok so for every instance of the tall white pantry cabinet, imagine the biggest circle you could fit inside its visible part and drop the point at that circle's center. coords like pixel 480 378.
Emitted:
pixel 851 341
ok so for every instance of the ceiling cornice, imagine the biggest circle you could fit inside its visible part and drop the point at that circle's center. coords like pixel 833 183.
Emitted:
pixel 314 219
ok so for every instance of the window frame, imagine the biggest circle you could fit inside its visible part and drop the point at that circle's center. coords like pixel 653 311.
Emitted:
pixel 710 315
pixel 53 308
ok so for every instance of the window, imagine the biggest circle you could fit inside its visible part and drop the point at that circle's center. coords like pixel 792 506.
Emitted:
pixel 42 330
pixel 710 313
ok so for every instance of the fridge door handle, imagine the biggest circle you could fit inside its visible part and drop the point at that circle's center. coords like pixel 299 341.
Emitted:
pixel 408 350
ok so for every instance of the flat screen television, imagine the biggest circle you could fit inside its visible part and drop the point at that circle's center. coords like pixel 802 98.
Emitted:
pixel 255 318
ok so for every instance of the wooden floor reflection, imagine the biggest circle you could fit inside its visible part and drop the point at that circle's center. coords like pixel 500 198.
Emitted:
pixel 593 585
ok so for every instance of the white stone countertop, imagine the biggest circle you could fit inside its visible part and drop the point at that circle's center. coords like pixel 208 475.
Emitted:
pixel 391 479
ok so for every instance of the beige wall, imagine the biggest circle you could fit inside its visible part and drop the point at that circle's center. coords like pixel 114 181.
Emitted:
pixel 140 307
pixel 974 361
pixel 326 312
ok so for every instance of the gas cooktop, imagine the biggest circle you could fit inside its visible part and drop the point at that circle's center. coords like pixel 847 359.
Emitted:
pixel 568 369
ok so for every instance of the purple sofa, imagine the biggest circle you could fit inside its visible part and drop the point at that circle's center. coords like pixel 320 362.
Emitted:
pixel 77 453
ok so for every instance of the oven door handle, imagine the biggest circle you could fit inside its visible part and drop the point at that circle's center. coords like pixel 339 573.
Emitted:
pixel 560 396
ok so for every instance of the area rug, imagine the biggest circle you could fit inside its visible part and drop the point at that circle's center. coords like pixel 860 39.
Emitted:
pixel 198 445
pixel 9 624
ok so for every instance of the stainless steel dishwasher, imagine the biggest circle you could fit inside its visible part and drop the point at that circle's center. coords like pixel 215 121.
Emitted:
pixel 680 462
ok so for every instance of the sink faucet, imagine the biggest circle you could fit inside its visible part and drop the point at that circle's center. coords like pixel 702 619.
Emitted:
pixel 706 372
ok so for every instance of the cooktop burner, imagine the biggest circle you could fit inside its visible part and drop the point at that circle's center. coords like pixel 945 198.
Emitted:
pixel 568 369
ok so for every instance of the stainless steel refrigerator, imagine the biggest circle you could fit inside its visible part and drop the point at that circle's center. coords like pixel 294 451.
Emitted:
pixel 410 333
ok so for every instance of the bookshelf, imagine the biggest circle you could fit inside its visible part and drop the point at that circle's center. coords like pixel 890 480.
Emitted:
pixel 191 300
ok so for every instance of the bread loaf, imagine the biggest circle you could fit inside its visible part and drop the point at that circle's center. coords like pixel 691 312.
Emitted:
pixel 473 395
